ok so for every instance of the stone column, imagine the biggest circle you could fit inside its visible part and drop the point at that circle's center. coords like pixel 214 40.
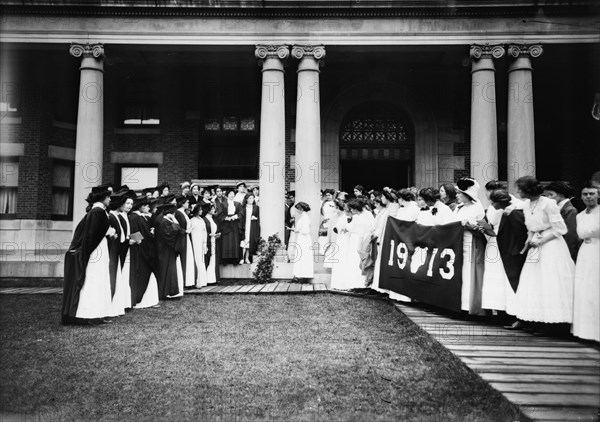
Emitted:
pixel 90 125
pixel 308 131
pixel 520 130
pixel 484 134
pixel 272 140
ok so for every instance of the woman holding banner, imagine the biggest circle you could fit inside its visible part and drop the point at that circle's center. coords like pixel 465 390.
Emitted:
pixel 545 293
pixel 469 213
pixel 378 232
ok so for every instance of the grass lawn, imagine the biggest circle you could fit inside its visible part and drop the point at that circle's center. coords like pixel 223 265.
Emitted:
pixel 314 357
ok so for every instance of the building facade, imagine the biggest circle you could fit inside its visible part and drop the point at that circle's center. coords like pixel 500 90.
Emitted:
pixel 291 95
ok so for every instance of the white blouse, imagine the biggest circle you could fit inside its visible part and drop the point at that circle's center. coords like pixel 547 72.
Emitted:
pixel 544 214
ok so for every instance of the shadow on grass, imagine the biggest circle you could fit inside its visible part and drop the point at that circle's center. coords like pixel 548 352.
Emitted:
pixel 225 358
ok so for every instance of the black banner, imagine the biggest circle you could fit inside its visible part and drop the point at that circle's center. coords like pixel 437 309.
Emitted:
pixel 423 262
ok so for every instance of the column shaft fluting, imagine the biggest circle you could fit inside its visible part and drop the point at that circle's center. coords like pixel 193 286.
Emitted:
pixel 90 125
pixel 484 136
pixel 272 141
pixel 308 132
pixel 521 130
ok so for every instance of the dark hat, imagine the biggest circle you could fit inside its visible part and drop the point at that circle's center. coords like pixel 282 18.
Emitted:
pixel 125 191
pixel 146 191
pixel 562 188
pixel 140 202
pixel 292 193
pixel 98 193
pixel 166 208
pixel 303 206
pixel 181 199
pixel 161 187
pixel 166 199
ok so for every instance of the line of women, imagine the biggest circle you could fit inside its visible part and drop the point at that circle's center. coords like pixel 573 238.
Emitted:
pixel 131 252
pixel 516 261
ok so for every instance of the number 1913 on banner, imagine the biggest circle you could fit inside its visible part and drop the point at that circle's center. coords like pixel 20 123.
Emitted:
pixel 423 262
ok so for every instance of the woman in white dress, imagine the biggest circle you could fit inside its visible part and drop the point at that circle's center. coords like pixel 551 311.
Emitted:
pixel 432 211
pixel 199 236
pixel 545 292
pixel 586 307
pixel 211 257
pixel 337 254
pixel 469 212
pixel 361 225
pixel 496 293
pixel 378 233
pixel 331 247
pixel 303 263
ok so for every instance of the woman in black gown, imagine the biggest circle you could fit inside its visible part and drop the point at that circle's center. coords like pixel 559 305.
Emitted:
pixel 230 230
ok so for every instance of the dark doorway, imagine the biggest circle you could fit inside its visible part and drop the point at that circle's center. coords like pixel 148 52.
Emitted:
pixel 375 174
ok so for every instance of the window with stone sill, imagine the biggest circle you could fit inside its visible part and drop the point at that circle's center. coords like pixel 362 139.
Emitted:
pixel 9 182
pixel 140 115
pixel 63 175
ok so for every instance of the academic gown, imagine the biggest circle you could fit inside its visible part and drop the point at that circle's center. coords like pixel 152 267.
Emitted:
pixel 511 238
pixel 114 252
pixel 569 214
pixel 230 232
pixel 253 237
pixel 89 234
pixel 186 251
pixel 141 257
pixel 167 240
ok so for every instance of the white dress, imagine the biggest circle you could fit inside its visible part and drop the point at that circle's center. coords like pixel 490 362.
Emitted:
pixel 303 262
pixel 497 292
pixel 338 254
pixel 362 225
pixel 95 299
pixel 330 249
pixel 467 214
pixel 245 243
pixel 190 275
pixel 586 307
pixel 545 292
pixel 199 240
pixel 211 275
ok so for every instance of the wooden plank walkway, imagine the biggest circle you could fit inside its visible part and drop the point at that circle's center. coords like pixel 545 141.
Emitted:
pixel 550 379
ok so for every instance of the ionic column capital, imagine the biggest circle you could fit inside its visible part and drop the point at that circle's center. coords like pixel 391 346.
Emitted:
pixel 264 52
pixel 525 50
pixel 315 51
pixel 486 51
pixel 95 51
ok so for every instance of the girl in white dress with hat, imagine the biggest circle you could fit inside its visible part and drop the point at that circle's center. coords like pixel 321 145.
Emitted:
pixel 545 292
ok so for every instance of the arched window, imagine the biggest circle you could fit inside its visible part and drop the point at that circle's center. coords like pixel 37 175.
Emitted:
pixel 376 130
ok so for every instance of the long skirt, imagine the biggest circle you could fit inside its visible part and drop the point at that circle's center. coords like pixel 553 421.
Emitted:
pixel 496 293
pixel 303 259
pixel 180 280
pixel 150 297
pixel 338 260
pixel 211 267
pixel 545 292
pixel 354 277
pixel 95 295
pixel 586 315
pixel 190 271
pixel 121 300
pixel 472 273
